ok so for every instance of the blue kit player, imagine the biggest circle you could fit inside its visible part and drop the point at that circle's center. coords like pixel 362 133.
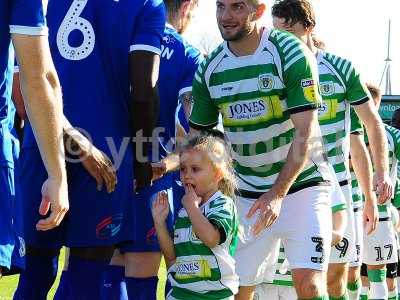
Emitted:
pixel 23 23
pixel 107 57
pixel 179 62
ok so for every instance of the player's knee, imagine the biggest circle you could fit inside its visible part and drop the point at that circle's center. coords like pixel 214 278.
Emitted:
pixel 310 284
pixel 336 275
pixel 353 274
pixel 142 264
pixel 93 253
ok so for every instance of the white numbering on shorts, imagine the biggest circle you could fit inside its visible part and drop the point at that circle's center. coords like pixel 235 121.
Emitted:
pixel 319 247
pixel 342 247
pixel 379 255
pixel 73 21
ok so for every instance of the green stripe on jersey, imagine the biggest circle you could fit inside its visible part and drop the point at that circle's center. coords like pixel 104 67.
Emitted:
pixel 200 272
pixel 340 85
pixel 255 95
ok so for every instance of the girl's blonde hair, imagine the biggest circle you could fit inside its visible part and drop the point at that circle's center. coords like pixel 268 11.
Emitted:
pixel 218 153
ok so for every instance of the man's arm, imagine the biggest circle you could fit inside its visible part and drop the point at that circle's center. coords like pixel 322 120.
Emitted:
pixel 144 67
pixel 379 149
pixel 362 166
pixel 43 102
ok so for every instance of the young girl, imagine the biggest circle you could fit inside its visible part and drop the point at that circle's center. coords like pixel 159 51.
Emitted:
pixel 200 258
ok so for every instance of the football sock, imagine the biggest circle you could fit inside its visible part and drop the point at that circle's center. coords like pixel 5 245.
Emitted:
pixel 354 290
pixel 378 288
pixel 114 287
pixel 37 278
pixel 142 288
pixel 85 278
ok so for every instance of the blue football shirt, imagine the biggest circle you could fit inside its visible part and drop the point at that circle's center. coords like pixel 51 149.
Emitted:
pixel 90 42
pixel 179 62
pixel 21 17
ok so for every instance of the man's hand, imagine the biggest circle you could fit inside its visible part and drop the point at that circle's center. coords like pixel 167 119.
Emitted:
pixel 55 199
pixel 190 199
pixel 97 163
pixel 100 167
pixel 382 184
pixel 370 216
pixel 143 175
pixel 268 207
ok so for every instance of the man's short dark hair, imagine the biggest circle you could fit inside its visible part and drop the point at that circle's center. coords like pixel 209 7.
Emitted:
pixel 294 11
pixel 174 5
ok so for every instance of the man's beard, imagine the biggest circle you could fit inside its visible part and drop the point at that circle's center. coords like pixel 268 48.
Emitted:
pixel 243 32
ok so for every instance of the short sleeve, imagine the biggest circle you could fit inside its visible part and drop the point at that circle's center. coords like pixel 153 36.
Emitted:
pixel 149 27
pixel 222 215
pixel 300 75
pixel 356 126
pixel 356 91
pixel 204 113
pixel 28 17
pixel 193 60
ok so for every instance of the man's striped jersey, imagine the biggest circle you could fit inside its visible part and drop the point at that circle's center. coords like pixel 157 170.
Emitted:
pixel 256 95
pixel 340 86
pixel 200 272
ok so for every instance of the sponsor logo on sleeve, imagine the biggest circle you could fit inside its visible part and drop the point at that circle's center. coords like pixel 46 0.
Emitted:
pixel 309 87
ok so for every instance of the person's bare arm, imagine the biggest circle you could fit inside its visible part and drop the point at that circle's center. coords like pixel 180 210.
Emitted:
pixel 379 149
pixel 362 166
pixel 43 102
pixel 144 70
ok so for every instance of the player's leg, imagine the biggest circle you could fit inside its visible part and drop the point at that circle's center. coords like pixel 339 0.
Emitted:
pixel 255 254
pixel 42 248
pixel 143 256
pixel 343 253
pixel 307 239
pixel 380 248
pixel 97 221
pixel 114 286
pixel 354 280
pixel 7 197
pixel 391 281
pixel 287 292
pixel 364 282
pixel 63 285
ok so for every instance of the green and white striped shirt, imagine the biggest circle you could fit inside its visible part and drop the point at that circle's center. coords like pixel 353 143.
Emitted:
pixel 256 95
pixel 200 272
pixel 340 86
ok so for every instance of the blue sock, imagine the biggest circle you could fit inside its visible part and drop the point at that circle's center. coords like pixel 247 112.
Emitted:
pixel 63 287
pixel 37 278
pixel 168 287
pixel 85 277
pixel 142 288
pixel 114 287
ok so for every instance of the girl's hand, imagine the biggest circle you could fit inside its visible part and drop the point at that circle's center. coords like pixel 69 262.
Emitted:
pixel 190 199
pixel 160 208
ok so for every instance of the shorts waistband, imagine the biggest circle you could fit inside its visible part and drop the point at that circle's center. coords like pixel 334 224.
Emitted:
pixel 344 182
pixel 384 219
pixel 256 195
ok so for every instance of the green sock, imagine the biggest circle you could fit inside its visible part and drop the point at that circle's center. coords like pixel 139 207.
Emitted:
pixel 354 289
pixel 364 293
pixel 318 298
pixel 393 295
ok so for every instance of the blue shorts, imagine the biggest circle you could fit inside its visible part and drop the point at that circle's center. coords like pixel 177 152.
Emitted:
pixel 7 200
pixel 145 239
pixel 95 218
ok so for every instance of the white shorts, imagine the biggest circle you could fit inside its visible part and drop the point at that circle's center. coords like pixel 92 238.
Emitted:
pixel 304 226
pixel 345 251
pixel 359 229
pixel 274 292
pixel 380 247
